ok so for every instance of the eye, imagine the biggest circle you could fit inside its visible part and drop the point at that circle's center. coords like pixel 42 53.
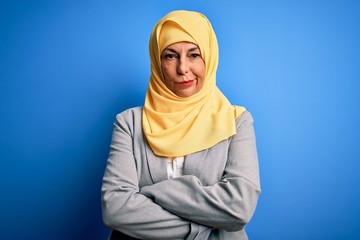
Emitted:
pixel 195 55
pixel 170 56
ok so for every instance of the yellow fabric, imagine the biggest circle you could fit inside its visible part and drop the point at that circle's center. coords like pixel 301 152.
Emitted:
pixel 177 126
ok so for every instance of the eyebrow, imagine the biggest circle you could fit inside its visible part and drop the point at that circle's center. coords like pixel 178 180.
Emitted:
pixel 174 51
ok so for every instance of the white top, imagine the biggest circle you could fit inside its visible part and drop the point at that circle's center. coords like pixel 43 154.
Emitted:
pixel 175 167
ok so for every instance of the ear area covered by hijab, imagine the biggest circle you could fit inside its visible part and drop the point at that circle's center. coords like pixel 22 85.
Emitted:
pixel 177 126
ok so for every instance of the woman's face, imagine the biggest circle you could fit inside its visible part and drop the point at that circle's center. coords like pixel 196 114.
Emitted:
pixel 183 68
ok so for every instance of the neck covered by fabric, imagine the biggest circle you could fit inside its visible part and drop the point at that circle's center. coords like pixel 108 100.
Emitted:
pixel 176 126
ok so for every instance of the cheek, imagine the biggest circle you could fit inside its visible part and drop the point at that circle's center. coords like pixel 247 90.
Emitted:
pixel 166 70
pixel 167 76
pixel 200 71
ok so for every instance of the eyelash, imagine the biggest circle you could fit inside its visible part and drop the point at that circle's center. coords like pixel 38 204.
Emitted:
pixel 173 55
pixel 195 55
pixel 170 56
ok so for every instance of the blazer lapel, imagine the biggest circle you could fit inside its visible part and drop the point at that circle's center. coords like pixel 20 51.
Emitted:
pixel 157 165
pixel 194 162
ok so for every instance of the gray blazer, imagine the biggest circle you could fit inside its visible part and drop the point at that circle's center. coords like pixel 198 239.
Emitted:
pixel 218 192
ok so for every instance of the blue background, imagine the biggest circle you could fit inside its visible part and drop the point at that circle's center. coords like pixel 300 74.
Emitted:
pixel 67 68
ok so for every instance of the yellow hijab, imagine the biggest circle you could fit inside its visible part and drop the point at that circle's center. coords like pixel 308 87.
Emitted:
pixel 177 126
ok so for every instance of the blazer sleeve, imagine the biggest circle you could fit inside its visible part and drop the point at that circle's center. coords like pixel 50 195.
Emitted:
pixel 127 210
pixel 228 204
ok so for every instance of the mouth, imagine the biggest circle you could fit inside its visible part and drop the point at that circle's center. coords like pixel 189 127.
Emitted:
pixel 186 83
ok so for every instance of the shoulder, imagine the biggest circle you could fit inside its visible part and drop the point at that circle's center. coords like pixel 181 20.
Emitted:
pixel 245 118
pixel 130 117
pixel 130 113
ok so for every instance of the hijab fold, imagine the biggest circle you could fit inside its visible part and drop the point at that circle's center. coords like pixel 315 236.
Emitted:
pixel 177 126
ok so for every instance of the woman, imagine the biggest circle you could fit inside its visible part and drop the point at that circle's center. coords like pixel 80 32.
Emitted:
pixel 183 166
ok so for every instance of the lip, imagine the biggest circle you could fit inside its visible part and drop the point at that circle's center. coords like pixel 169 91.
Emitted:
pixel 186 83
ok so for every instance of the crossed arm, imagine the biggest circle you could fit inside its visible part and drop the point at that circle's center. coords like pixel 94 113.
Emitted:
pixel 177 208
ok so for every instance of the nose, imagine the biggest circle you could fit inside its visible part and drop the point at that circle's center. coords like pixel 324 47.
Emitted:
pixel 183 66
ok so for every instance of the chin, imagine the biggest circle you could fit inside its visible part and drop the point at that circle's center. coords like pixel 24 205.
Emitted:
pixel 185 94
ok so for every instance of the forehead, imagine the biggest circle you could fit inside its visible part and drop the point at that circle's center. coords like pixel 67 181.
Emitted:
pixel 182 46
